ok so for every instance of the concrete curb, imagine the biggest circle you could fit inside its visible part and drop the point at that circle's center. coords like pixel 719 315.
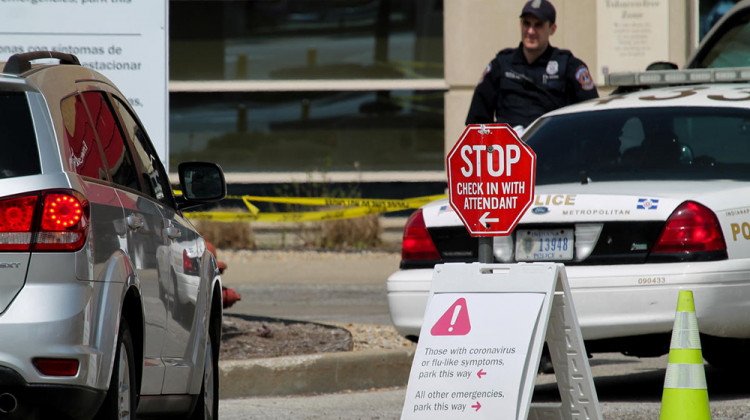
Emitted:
pixel 315 373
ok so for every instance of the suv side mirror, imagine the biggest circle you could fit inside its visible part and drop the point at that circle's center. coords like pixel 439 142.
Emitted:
pixel 201 182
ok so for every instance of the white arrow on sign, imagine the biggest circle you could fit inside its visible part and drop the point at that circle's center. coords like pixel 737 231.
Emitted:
pixel 485 221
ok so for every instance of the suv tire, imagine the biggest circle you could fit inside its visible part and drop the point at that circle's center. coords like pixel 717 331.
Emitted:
pixel 120 402
pixel 207 407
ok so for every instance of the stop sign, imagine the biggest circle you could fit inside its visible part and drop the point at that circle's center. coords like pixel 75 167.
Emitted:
pixel 490 179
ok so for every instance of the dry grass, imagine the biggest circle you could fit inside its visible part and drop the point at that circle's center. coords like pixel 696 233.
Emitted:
pixel 227 235
pixel 362 233
pixel 359 233
pixel 346 234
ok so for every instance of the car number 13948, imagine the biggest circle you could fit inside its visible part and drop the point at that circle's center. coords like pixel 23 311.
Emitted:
pixel 544 245
pixel 553 244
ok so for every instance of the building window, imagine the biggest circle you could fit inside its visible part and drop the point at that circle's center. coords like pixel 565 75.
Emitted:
pixel 309 131
pixel 303 39
pixel 299 85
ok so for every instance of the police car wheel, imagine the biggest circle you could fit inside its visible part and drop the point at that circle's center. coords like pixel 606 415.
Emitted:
pixel 725 353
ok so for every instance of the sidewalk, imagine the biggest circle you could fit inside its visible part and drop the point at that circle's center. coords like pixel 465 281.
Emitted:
pixel 315 374
pixel 322 372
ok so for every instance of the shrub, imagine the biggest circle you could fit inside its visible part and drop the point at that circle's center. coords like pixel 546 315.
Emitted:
pixel 358 233
pixel 227 235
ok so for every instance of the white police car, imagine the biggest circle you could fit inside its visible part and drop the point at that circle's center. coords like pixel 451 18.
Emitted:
pixel 644 193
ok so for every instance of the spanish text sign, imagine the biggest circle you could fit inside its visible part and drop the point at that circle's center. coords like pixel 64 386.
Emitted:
pixel 126 40
pixel 472 354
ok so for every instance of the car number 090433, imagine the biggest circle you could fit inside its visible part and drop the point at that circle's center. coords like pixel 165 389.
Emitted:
pixel 652 280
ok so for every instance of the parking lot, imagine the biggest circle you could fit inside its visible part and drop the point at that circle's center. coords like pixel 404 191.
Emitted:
pixel 111 296
pixel 280 284
pixel 628 390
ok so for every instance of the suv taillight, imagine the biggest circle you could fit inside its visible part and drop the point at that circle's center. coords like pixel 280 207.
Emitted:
pixel 417 243
pixel 692 227
pixel 54 220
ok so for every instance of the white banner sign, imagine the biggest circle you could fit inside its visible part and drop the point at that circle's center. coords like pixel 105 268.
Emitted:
pixel 471 356
pixel 126 40
pixel 631 34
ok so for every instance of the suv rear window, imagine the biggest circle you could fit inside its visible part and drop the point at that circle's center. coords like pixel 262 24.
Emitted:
pixel 20 155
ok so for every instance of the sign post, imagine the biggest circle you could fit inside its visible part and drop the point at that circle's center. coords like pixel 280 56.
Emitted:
pixel 490 182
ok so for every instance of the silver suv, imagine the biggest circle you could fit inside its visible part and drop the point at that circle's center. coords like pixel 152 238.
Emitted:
pixel 110 303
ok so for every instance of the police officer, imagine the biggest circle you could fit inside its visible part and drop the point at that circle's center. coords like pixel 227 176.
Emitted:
pixel 522 83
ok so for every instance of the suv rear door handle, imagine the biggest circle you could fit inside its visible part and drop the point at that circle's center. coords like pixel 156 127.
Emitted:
pixel 135 222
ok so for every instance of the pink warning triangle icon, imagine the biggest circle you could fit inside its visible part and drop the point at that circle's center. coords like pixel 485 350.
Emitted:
pixel 455 321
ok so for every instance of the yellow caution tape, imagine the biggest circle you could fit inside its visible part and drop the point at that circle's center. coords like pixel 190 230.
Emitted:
pixel 409 203
pixel 250 206
pixel 358 207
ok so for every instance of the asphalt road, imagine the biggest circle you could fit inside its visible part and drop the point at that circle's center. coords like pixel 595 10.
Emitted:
pixel 628 389
pixel 350 287
pixel 311 286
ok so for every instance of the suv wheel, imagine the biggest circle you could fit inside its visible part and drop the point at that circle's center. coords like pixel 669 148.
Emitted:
pixel 208 403
pixel 121 396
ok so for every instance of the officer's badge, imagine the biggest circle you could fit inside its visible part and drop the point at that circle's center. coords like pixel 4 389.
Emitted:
pixel 552 67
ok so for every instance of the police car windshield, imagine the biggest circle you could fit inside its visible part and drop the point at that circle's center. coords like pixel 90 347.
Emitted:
pixel 690 143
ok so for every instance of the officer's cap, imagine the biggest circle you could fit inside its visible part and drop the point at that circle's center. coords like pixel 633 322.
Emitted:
pixel 542 9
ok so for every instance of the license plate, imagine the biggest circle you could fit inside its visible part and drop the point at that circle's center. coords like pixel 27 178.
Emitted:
pixel 544 245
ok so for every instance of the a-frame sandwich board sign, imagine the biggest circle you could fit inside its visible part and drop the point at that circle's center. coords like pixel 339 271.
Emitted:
pixel 481 342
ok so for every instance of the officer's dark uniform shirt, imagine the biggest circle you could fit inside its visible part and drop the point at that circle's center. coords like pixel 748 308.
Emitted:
pixel 514 92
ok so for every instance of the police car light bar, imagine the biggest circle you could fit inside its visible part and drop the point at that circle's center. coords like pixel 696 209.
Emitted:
pixel 678 77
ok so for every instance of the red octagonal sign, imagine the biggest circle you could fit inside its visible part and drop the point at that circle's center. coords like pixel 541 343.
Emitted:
pixel 490 179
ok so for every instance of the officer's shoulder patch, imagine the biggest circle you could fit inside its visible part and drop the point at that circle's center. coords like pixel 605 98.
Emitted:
pixel 584 78
pixel 486 72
